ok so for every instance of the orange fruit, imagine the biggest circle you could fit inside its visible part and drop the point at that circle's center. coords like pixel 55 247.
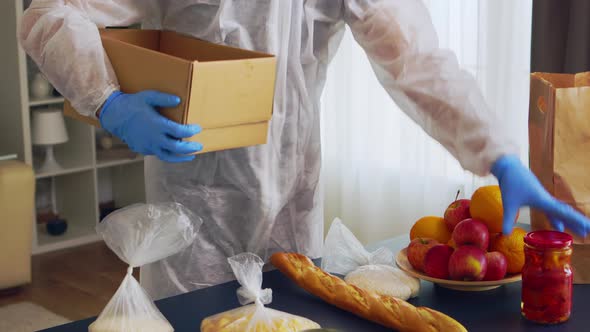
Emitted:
pixel 512 246
pixel 486 205
pixel 431 227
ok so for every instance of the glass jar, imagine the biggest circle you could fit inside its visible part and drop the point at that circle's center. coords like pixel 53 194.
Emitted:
pixel 547 277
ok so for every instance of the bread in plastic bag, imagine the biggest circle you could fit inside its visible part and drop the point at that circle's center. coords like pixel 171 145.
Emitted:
pixel 253 316
pixel 343 254
pixel 141 234
pixel 384 280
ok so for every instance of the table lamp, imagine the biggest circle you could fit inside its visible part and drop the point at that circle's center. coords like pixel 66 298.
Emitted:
pixel 49 129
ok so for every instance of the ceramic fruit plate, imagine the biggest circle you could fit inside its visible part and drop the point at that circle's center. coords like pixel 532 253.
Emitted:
pixel 404 264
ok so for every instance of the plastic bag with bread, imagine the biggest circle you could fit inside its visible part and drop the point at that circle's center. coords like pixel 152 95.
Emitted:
pixel 343 254
pixel 254 316
pixel 141 234
pixel 385 310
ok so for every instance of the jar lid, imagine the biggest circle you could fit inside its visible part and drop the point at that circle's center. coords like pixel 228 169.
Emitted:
pixel 548 239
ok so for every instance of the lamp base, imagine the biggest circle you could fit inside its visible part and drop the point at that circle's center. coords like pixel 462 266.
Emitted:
pixel 50 164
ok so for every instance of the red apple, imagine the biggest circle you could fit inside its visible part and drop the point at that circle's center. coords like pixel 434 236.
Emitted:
pixel 436 261
pixel 468 263
pixel 493 236
pixel 457 212
pixel 472 232
pixel 417 250
pixel 497 266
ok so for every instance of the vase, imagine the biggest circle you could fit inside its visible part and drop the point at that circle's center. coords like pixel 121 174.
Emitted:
pixel 40 87
pixel 56 226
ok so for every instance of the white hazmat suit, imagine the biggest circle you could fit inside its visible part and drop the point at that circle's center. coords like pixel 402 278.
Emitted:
pixel 266 198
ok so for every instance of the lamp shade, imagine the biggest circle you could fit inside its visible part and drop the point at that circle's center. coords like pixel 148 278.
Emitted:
pixel 49 127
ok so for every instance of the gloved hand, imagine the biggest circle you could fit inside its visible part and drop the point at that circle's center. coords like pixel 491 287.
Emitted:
pixel 134 119
pixel 519 187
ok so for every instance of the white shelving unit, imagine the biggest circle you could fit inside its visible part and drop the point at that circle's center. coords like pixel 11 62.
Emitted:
pixel 46 101
pixel 88 178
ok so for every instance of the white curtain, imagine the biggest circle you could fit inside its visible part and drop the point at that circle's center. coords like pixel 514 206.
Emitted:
pixel 381 172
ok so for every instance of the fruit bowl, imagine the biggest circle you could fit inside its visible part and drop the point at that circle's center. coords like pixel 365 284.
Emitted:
pixel 403 263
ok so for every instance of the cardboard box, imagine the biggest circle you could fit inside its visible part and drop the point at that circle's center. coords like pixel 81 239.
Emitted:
pixel 227 91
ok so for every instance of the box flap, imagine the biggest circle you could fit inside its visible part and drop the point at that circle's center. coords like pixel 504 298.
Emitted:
pixel 139 69
pixel 193 49
pixel 232 92
pixel 149 39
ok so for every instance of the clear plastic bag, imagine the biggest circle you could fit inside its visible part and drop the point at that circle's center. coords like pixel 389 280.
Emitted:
pixel 385 280
pixel 141 234
pixel 343 254
pixel 253 316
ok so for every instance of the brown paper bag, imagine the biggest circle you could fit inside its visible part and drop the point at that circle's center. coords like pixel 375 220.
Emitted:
pixel 559 138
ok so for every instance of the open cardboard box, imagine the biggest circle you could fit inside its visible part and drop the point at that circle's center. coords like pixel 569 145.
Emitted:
pixel 227 91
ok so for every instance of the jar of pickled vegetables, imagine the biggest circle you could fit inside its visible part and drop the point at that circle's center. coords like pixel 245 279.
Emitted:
pixel 547 277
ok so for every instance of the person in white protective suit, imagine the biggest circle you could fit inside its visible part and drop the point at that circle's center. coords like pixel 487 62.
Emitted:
pixel 266 198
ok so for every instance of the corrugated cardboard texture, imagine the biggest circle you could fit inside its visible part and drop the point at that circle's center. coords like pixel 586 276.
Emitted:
pixel 559 137
pixel 227 91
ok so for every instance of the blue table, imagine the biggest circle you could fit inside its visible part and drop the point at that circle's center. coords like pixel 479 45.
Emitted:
pixel 494 310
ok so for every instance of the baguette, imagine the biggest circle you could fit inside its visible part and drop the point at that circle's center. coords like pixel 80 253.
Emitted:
pixel 385 310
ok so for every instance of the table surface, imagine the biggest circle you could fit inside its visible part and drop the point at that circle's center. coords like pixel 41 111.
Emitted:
pixel 494 310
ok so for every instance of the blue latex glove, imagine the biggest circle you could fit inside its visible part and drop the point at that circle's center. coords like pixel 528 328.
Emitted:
pixel 134 119
pixel 519 187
